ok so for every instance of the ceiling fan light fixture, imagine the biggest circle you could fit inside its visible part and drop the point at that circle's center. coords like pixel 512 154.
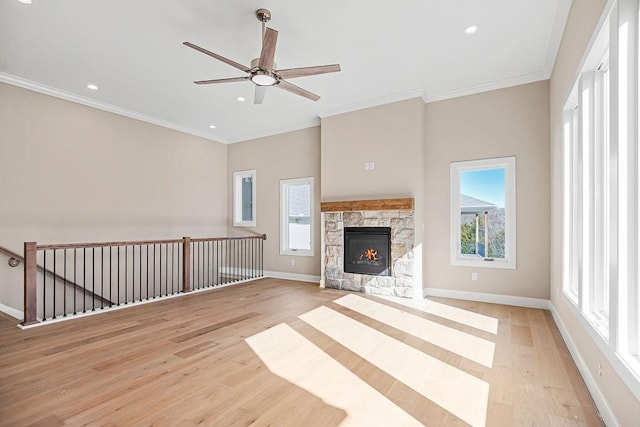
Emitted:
pixel 263 78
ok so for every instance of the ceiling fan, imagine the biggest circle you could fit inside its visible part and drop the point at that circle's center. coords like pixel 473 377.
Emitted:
pixel 263 70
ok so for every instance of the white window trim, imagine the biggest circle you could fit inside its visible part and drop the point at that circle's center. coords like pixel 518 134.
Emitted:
pixel 284 217
pixel 620 341
pixel 509 165
pixel 238 176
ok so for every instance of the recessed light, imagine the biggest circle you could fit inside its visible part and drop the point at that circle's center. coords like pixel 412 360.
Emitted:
pixel 241 99
pixel 212 126
pixel 92 86
pixel 25 1
pixel 470 30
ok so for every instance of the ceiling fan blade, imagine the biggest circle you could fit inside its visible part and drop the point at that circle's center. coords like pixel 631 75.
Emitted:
pixel 232 79
pixel 216 56
pixel 297 90
pixel 291 73
pixel 259 95
pixel 268 49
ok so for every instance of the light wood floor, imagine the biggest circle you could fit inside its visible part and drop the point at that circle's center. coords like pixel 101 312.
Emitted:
pixel 282 353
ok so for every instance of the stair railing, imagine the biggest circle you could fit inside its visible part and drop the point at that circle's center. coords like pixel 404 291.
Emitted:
pixel 110 274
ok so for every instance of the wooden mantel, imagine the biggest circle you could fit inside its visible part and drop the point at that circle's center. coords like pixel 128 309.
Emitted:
pixel 367 205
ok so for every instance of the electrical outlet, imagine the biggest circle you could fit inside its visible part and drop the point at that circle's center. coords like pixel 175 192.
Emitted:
pixel 474 276
pixel 293 262
pixel 599 369
pixel 366 166
pixel 372 165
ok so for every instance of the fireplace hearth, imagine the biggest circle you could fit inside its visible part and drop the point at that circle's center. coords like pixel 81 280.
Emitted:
pixel 367 250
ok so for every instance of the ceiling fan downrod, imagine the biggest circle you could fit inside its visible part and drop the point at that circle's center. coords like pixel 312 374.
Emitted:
pixel 264 16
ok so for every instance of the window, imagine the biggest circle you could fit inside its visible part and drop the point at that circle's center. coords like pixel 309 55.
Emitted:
pixel 601 169
pixel 244 198
pixel 296 216
pixel 483 213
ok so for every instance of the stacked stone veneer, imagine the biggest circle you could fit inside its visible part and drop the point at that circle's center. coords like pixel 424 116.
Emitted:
pixel 402 224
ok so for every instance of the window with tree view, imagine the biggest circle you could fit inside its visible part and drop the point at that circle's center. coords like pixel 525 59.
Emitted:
pixel 483 213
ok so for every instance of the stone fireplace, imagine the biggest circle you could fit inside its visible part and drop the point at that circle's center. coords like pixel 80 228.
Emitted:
pixel 366 264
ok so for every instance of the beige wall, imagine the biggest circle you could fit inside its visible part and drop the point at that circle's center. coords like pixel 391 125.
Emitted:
pixel 284 156
pixel 71 173
pixel 506 122
pixel 392 137
pixel 581 24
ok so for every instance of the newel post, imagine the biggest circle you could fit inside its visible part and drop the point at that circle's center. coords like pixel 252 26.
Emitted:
pixel 186 264
pixel 30 284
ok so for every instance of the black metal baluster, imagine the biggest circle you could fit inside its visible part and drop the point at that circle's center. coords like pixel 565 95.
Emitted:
pixel 172 269
pixel 133 274
pixel 236 254
pixel 84 280
pixel 64 285
pixel 118 275
pixel 154 271
pixel 54 284
pixel 147 256
pixel 93 282
pixel 208 252
pixel 75 258
pixel 160 270
pixel 44 286
pixel 140 271
pixel 126 276
pixel 102 278
pixel 110 275
pixel 166 269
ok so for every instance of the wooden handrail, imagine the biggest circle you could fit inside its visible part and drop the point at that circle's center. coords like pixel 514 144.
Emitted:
pixel 11 254
pixel 50 273
pixel 139 242
pixel 217 239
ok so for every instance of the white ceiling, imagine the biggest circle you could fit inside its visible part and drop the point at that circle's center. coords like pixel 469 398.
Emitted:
pixel 132 49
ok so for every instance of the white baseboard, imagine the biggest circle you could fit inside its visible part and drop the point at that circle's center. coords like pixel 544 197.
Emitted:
pixel 490 298
pixel 292 276
pixel 11 311
pixel 603 406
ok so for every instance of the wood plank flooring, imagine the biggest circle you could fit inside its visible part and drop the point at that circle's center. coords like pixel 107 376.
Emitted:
pixel 282 353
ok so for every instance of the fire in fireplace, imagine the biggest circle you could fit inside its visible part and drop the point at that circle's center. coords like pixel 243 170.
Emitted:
pixel 367 250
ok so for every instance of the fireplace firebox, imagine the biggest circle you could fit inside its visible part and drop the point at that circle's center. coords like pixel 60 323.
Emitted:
pixel 367 250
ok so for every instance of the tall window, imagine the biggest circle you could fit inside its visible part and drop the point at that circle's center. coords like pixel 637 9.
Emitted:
pixel 296 216
pixel 483 213
pixel 601 170
pixel 244 198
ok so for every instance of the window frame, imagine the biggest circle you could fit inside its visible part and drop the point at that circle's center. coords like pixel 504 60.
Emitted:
pixel 610 188
pixel 284 217
pixel 456 168
pixel 238 176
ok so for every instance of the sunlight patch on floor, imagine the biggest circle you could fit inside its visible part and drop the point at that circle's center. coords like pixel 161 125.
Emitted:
pixel 455 314
pixel 458 392
pixel 463 344
pixel 291 356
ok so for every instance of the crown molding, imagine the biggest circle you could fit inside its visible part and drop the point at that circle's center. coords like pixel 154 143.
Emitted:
pixel 560 21
pixel 374 102
pixel 67 96
pixel 315 121
pixel 498 84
